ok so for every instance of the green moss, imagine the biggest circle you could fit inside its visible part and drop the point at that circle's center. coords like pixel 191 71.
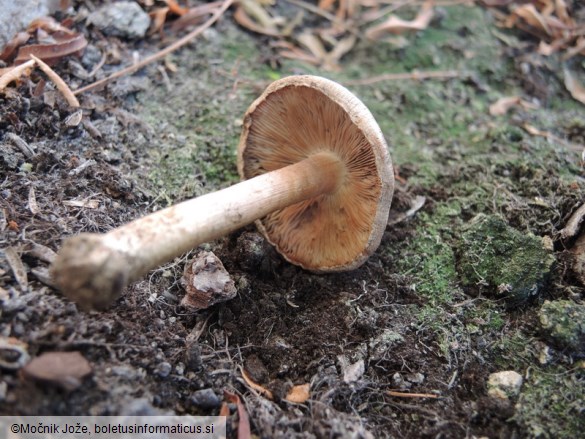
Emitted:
pixel 551 404
pixel 502 261
pixel 563 322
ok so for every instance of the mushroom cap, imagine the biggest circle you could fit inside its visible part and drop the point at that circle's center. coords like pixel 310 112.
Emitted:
pixel 299 116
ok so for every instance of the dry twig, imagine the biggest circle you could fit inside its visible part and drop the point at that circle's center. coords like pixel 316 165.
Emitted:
pixel 59 83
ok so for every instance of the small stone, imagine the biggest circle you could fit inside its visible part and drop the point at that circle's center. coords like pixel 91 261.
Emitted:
pixel 205 399
pixel 504 384
pixel 380 345
pixel 415 378
pixel 122 19
pixel 66 369
pixel 354 372
pixel 206 281
pixel 399 383
pixel 193 361
pixel 164 369
pixel 256 369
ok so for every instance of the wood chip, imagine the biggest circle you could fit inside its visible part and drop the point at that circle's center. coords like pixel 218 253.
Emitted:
pixel 21 144
pixel 66 369
pixel 89 204
pixel 17 267
pixel 32 201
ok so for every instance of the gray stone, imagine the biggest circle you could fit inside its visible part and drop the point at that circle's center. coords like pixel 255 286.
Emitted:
pixel 121 19
pixel 205 398
pixel 15 16
pixel 504 384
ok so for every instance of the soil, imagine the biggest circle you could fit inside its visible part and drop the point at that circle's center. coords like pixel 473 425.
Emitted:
pixel 410 313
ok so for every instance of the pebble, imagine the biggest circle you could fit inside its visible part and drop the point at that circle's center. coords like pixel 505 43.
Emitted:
pixel 121 19
pixel 205 399
pixel 15 16
pixel 505 384
pixel 164 369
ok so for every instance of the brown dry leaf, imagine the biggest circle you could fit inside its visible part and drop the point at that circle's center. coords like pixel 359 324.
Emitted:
pixel 66 369
pixel 298 394
pixel 503 105
pixel 17 267
pixel 396 25
pixel 11 47
pixel 250 15
pixel 244 431
pixel 174 7
pixel 52 53
pixel 532 17
pixel 158 17
pixel 257 387
pixel 574 86
pixel 48 24
pixel 195 15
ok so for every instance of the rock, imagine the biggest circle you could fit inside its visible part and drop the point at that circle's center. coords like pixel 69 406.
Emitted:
pixel 206 281
pixel 251 250
pixel 164 369
pixel 205 399
pixel 380 345
pixel 16 16
pixel 399 383
pixel 121 19
pixel 563 322
pixel 502 261
pixel 66 369
pixel 504 384
pixel 351 372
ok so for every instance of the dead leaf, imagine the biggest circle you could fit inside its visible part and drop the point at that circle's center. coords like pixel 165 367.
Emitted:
pixel 503 105
pixel 574 86
pixel 244 431
pixel 194 15
pixel 48 24
pixel 11 47
pixel 257 387
pixel 89 204
pixel 396 25
pixel 52 53
pixel 532 17
pixel 66 369
pixel 298 394
pixel 174 7
pixel 17 267
pixel 243 19
pixel 158 18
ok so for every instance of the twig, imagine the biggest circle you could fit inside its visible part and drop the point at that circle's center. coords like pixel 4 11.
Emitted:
pixel 14 73
pixel 411 395
pixel 415 75
pixel 161 54
pixel 61 85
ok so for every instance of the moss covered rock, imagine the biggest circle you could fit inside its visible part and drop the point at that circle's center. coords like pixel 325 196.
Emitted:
pixel 563 322
pixel 502 261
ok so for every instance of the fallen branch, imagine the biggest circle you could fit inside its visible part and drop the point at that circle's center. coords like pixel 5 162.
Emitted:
pixel 161 54
pixel 415 75
pixel 572 227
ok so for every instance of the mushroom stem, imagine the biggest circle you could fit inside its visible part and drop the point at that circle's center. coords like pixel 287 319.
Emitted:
pixel 93 269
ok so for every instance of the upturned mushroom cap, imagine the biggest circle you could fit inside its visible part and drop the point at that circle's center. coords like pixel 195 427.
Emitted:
pixel 297 117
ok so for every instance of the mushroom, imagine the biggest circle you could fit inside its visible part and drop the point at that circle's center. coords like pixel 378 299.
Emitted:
pixel 317 179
